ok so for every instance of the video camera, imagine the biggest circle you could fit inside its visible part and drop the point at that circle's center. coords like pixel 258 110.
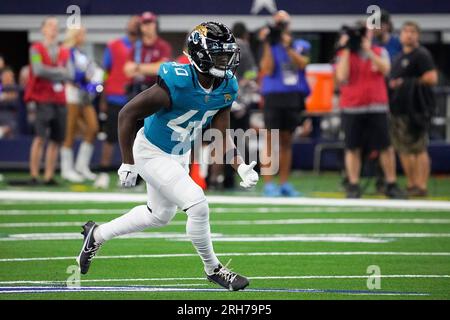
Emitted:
pixel 275 32
pixel 355 35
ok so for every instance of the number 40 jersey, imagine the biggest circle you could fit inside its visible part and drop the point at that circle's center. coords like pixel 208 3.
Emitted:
pixel 192 107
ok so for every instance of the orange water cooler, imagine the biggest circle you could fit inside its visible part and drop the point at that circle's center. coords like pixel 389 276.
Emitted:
pixel 320 80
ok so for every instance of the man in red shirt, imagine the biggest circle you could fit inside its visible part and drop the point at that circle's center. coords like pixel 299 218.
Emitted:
pixel 48 73
pixel 146 56
pixel 360 72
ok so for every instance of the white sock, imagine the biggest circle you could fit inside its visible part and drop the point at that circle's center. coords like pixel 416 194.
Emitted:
pixel 137 219
pixel 83 161
pixel 198 230
pixel 66 160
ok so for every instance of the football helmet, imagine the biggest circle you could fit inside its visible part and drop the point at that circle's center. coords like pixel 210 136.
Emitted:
pixel 212 49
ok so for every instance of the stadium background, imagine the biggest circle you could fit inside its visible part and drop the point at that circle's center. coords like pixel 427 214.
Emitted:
pixel 317 22
pixel 304 250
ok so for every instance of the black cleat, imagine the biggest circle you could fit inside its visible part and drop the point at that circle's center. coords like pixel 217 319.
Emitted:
pixel 228 279
pixel 394 192
pixel 90 247
pixel 353 191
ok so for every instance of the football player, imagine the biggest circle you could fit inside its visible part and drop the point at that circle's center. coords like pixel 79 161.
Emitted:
pixel 184 99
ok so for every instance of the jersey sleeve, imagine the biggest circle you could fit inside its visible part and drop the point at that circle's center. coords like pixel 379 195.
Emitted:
pixel 174 79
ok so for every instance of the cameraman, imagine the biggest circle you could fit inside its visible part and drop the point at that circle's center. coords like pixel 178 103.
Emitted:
pixel 284 88
pixel 360 72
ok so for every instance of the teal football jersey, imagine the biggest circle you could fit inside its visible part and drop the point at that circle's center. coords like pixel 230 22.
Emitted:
pixel 174 129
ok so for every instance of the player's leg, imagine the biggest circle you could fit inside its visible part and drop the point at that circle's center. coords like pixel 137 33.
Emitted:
pixel 158 212
pixel 174 183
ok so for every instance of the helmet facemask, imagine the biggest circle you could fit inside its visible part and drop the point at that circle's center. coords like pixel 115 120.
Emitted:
pixel 225 61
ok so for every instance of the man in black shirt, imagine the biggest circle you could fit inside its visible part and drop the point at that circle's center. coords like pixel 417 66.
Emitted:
pixel 412 75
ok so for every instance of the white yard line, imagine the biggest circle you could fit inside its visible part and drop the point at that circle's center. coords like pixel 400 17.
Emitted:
pixel 141 197
pixel 62 212
pixel 181 236
pixel 247 222
pixel 230 254
pixel 77 235
pixel 216 238
pixel 312 277
pixel 49 289
pixel 65 212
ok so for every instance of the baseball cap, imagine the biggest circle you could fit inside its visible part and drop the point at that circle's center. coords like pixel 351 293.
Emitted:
pixel 148 16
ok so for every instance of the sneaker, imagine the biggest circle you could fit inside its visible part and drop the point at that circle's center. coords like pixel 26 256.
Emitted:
pixel 353 191
pixel 51 183
pixel 288 190
pixel 89 248
pixel 417 192
pixel 380 186
pixel 33 182
pixel 228 279
pixel 102 181
pixel 86 173
pixel 394 192
pixel 271 190
pixel 72 176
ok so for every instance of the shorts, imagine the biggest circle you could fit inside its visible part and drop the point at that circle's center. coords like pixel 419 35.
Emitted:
pixel 167 176
pixel 367 131
pixel 282 110
pixel 405 139
pixel 51 121
pixel 112 122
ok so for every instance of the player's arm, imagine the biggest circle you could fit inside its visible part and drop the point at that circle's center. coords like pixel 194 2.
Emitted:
pixel 143 105
pixel 221 122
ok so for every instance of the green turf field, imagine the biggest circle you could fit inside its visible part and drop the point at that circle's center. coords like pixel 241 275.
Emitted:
pixel 288 252
pixel 326 184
